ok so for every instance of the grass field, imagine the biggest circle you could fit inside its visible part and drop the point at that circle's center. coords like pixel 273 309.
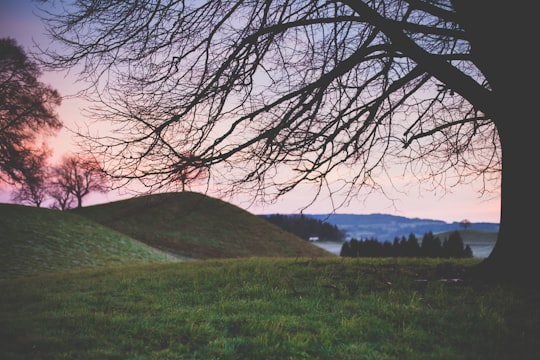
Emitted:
pixel 109 282
pixel 267 308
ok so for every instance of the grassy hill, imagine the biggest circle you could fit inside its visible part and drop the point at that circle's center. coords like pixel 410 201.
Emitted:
pixel 34 240
pixel 193 225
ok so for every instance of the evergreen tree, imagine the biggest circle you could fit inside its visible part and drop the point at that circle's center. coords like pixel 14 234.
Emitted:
pixel 453 247
pixel 305 227
pixel 431 246
pixel 467 253
pixel 411 248
pixel 345 249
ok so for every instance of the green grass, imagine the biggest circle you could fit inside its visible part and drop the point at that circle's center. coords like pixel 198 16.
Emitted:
pixel 267 308
pixel 34 241
pixel 91 284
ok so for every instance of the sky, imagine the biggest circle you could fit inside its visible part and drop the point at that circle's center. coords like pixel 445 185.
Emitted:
pixel 18 21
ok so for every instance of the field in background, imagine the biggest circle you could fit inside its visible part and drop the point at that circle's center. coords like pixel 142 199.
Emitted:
pixel 110 282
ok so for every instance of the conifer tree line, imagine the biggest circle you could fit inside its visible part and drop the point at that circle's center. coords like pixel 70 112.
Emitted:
pixel 306 227
pixel 431 246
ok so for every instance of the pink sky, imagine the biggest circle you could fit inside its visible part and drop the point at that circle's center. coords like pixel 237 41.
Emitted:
pixel 18 21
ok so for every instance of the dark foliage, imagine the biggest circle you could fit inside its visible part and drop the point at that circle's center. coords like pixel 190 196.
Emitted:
pixel 74 178
pixel 27 114
pixel 431 246
pixel 306 227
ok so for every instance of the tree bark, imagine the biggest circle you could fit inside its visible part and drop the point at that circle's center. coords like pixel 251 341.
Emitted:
pixel 502 51
pixel 515 255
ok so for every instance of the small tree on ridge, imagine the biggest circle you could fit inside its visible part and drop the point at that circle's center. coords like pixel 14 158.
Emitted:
pixel 76 177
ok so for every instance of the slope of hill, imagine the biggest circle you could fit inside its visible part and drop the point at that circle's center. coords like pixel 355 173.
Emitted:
pixel 34 240
pixel 196 226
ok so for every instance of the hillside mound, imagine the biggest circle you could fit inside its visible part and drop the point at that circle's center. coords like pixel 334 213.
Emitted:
pixel 197 226
pixel 35 240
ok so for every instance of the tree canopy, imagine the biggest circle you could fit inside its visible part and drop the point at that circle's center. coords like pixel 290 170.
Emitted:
pixel 271 94
pixel 306 89
pixel 27 114
pixel 74 178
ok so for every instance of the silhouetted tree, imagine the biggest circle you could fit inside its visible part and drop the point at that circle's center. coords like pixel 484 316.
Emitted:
pixel 62 198
pixel 431 246
pixel 306 227
pixel 396 246
pixel 399 245
pixel 77 176
pixel 387 249
pixel 353 248
pixel 189 171
pixel 465 224
pixel 345 249
pixel 467 252
pixel 408 247
pixel 411 247
pixel 26 114
pixel 31 187
pixel 309 89
pixel 453 247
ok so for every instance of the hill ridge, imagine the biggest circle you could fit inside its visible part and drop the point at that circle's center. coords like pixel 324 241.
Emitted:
pixel 212 228
pixel 160 227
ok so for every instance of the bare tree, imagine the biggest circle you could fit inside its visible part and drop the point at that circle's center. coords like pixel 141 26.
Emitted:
pixel 62 198
pixel 26 114
pixel 76 176
pixel 281 93
pixel 465 224
pixel 189 171
pixel 31 191
pixel 31 187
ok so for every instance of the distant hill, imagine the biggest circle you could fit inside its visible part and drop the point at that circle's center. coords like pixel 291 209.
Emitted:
pixel 34 241
pixel 197 226
pixel 385 227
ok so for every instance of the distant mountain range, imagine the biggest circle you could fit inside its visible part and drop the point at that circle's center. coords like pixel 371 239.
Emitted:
pixel 385 227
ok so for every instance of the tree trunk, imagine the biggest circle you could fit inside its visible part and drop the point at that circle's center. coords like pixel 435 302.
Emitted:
pixel 79 201
pixel 502 40
pixel 515 255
